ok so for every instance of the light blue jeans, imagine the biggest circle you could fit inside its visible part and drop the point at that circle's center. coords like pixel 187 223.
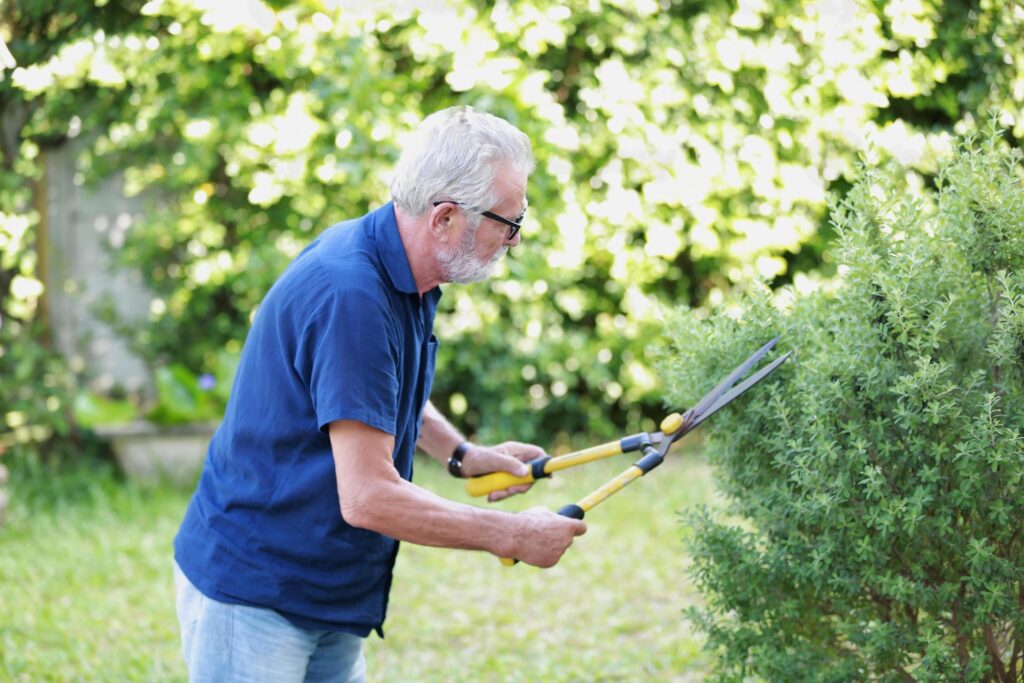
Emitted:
pixel 225 643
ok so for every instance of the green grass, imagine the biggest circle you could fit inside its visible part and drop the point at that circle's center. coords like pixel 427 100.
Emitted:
pixel 86 591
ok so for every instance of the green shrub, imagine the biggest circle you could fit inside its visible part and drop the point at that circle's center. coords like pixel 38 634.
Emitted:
pixel 880 473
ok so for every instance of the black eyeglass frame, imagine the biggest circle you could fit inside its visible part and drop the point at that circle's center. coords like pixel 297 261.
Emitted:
pixel 513 226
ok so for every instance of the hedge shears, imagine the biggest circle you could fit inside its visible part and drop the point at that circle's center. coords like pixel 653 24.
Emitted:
pixel 653 445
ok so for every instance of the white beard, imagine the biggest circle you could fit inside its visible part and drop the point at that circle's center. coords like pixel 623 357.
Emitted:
pixel 460 264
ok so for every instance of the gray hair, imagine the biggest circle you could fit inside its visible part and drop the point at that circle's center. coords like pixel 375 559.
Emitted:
pixel 455 155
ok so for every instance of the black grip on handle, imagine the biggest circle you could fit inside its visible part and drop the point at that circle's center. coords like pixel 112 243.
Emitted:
pixel 537 467
pixel 572 510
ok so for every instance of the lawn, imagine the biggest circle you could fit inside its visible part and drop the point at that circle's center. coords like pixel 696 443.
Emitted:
pixel 86 590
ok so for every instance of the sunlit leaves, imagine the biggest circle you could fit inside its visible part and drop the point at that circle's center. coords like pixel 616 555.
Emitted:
pixel 684 149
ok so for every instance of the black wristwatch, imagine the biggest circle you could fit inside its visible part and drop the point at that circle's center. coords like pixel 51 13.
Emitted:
pixel 455 462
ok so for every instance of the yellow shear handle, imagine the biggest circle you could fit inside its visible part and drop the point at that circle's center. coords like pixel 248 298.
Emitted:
pixel 496 481
pixel 652 458
pixel 543 467
pixel 580 509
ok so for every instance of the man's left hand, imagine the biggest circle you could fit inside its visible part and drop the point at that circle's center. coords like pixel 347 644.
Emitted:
pixel 506 457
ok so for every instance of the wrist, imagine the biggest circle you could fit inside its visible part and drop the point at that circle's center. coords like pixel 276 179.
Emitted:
pixel 508 542
pixel 455 460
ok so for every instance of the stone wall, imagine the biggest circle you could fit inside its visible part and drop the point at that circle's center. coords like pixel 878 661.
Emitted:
pixel 83 228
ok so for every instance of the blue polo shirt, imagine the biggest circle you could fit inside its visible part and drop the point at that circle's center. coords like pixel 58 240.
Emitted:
pixel 342 335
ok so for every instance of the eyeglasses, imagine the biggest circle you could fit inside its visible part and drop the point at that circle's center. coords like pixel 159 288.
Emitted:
pixel 513 226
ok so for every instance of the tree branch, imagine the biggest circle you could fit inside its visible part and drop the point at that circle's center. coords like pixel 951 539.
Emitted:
pixel 995 657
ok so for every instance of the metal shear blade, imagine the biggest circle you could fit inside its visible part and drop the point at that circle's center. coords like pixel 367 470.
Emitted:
pixel 725 393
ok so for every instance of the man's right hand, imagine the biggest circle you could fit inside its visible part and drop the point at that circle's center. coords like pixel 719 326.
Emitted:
pixel 544 536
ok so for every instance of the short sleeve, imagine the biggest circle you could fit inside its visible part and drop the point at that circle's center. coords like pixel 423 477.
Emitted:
pixel 348 360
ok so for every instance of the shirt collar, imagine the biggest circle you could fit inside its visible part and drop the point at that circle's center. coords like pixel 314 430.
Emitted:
pixel 391 250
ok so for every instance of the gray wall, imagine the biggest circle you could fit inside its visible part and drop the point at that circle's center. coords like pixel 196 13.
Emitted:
pixel 84 228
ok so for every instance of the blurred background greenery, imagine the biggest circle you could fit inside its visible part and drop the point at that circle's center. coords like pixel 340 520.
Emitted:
pixel 685 149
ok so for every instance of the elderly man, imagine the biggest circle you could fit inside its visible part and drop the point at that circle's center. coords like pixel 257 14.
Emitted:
pixel 283 562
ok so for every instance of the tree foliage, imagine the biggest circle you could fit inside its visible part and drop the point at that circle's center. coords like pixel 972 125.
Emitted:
pixel 36 383
pixel 882 473
pixel 683 147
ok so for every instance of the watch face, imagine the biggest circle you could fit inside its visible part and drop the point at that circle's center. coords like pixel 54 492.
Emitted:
pixel 455 462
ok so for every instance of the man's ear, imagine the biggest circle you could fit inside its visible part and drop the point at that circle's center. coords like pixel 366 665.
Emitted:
pixel 442 221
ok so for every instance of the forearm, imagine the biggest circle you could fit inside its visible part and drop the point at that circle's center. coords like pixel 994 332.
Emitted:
pixel 407 512
pixel 438 437
pixel 373 496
